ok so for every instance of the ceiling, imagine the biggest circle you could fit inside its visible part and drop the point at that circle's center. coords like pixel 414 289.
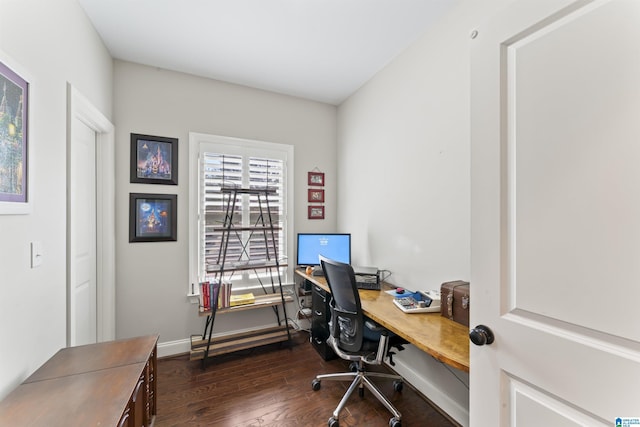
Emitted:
pixel 322 50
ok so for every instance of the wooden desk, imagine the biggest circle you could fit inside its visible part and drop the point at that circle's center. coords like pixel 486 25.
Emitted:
pixel 110 384
pixel 444 339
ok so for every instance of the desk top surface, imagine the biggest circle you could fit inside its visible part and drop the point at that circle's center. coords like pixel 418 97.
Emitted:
pixel 444 339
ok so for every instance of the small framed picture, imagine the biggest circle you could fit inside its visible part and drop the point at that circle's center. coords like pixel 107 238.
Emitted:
pixel 154 159
pixel 316 212
pixel 315 196
pixel 152 217
pixel 316 179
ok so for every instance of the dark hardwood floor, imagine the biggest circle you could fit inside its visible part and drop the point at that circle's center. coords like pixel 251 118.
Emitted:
pixel 271 386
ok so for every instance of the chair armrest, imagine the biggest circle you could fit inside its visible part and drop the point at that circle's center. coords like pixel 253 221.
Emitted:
pixel 370 324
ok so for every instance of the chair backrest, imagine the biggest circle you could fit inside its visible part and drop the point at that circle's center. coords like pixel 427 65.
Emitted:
pixel 346 312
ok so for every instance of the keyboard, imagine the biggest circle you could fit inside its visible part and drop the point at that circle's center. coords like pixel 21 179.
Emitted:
pixel 368 281
pixel 373 286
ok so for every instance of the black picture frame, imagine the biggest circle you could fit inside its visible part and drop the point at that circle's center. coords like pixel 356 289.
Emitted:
pixel 154 159
pixel 14 142
pixel 153 217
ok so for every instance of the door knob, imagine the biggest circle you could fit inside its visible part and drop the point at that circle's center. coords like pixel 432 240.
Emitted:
pixel 481 335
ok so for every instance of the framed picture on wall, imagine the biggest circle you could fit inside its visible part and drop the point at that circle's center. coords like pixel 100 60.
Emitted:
pixel 315 196
pixel 154 159
pixel 316 212
pixel 152 217
pixel 316 179
pixel 14 141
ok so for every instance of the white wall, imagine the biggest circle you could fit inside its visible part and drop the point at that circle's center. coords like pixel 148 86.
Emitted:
pixel 152 279
pixel 403 171
pixel 51 43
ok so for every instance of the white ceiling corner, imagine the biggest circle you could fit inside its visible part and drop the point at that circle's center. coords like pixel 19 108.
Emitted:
pixel 323 50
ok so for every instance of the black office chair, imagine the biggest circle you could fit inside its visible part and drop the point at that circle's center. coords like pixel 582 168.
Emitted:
pixel 354 338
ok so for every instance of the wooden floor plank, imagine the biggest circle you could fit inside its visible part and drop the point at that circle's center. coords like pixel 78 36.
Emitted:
pixel 271 386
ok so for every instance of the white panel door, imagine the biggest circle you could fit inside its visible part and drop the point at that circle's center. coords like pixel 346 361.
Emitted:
pixel 555 247
pixel 82 235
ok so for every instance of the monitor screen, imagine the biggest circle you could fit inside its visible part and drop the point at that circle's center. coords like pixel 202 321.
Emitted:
pixel 335 246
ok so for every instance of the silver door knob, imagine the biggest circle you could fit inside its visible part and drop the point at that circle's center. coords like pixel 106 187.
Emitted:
pixel 481 335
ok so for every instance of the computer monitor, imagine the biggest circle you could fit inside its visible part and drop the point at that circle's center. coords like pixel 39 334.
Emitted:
pixel 335 246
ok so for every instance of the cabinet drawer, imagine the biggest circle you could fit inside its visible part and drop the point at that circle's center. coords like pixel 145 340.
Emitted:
pixel 319 310
pixel 322 348
pixel 319 302
pixel 319 322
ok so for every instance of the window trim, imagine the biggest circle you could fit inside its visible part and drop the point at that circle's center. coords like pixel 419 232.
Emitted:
pixel 196 142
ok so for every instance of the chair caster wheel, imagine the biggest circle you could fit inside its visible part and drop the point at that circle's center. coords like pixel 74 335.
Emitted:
pixel 394 422
pixel 398 385
pixel 361 391
pixel 353 366
pixel 315 385
pixel 333 422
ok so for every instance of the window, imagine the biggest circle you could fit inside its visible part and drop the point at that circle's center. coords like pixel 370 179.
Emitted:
pixel 220 162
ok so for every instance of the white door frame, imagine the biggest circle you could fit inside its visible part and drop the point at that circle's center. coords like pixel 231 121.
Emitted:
pixel 78 107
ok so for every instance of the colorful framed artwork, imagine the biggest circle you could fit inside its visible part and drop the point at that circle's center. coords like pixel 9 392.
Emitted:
pixel 152 217
pixel 316 179
pixel 14 141
pixel 154 159
pixel 316 212
pixel 315 196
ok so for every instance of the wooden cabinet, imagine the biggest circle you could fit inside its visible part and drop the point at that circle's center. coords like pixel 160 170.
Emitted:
pixel 111 384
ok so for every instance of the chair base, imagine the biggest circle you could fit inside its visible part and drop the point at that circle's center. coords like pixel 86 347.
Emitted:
pixel 359 380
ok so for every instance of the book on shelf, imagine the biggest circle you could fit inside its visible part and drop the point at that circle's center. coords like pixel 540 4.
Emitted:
pixel 225 295
pixel 242 299
pixel 214 292
pixel 204 296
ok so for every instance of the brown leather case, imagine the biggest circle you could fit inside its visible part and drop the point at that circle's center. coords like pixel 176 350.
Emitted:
pixel 454 301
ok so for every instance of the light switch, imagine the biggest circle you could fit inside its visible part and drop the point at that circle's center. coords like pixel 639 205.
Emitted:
pixel 36 254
